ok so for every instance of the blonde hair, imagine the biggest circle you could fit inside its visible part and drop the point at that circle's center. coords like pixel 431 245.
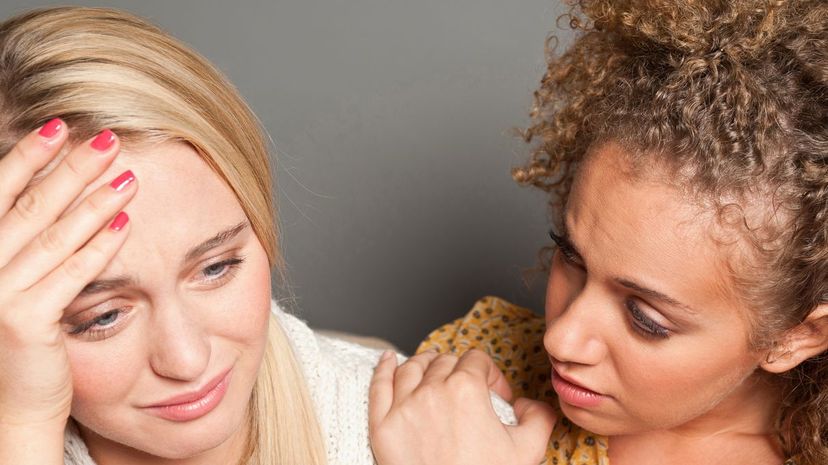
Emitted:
pixel 101 68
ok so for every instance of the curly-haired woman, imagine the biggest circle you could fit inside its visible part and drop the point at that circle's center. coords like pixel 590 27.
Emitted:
pixel 685 148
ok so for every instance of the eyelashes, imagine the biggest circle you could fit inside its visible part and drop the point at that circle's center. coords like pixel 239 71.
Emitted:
pixel 640 322
pixel 557 239
pixel 230 265
pixel 109 322
pixel 103 320
pixel 568 253
pixel 645 324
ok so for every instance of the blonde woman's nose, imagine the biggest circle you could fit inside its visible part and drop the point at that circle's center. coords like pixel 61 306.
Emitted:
pixel 179 346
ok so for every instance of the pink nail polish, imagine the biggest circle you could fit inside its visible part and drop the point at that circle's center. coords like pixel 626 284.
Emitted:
pixel 122 180
pixel 120 220
pixel 51 128
pixel 103 141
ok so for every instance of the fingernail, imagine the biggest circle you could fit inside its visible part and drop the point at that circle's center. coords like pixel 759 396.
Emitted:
pixel 104 140
pixel 51 128
pixel 120 220
pixel 386 355
pixel 122 180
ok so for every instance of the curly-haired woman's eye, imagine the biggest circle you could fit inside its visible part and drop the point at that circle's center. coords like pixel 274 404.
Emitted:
pixel 644 324
pixel 570 256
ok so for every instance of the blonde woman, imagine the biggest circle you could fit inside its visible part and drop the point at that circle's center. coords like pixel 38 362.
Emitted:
pixel 685 147
pixel 137 239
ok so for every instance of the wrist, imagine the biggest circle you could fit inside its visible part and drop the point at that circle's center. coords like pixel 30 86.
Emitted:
pixel 31 444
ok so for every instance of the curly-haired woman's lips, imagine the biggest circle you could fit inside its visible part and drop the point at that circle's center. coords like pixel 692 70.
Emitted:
pixel 575 394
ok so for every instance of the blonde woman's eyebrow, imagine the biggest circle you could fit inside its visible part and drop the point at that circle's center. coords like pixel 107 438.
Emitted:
pixel 222 237
pixel 215 241
pixel 103 285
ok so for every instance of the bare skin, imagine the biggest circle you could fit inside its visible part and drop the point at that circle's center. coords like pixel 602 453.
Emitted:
pixel 106 355
pixel 638 310
pixel 680 381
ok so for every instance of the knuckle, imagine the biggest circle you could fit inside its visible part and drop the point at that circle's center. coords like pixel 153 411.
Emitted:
pixel 461 377
pixel 50 240
pixel 476 354
pixel 95 252
pixel 423 355
pixel 81 265
pixel 428 394
pixel 30 204
pixel 448 358
pixel 408 368
pixel 21 152
pixel 75 267
pixel 413 413
pixel 383 434
pixel 462 382
pixel 75 169
pixel 476 357
pixel 96 203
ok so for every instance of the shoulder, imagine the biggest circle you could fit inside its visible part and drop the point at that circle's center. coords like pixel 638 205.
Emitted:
pixel 487 323
pixel 313 348
pixel 331 366
pixel 338 375
pixel 510 334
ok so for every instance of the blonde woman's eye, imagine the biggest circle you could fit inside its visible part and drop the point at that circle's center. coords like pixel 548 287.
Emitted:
pixel 102 326
pixel 104 321
pixel 221 269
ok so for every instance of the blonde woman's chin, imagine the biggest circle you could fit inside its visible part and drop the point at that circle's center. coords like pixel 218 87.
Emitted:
pixel 218 433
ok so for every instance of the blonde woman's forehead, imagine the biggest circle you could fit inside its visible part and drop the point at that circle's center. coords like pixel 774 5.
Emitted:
pixel 168 174
pixel 174 184
pixel 180 202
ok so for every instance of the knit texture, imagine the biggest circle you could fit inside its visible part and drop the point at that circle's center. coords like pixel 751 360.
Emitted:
pixel 338 374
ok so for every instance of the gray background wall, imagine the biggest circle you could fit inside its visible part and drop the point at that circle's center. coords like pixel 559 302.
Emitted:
pixel 391 121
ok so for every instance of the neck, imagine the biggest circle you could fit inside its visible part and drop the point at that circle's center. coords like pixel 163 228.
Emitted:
pixel 740 426
pixel 749 410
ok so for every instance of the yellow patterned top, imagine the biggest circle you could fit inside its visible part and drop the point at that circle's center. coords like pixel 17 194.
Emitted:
pixel 513 337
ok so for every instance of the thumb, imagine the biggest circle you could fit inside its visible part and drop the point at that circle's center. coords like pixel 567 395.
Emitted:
pixel 535 422
pixel 497 383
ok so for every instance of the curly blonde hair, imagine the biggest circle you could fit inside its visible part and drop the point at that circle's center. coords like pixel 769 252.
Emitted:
pixel 732 96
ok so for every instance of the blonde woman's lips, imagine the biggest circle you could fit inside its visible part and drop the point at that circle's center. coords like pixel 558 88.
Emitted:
pixel 575 394
pixel 193 405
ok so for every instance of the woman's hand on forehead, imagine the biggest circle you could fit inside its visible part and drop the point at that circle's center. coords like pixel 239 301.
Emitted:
pixel 48 253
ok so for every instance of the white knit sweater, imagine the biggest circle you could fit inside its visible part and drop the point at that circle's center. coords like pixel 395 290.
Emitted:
pixel 338 375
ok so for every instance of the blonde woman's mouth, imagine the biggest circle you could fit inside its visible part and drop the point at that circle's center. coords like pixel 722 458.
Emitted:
pixel 193 405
